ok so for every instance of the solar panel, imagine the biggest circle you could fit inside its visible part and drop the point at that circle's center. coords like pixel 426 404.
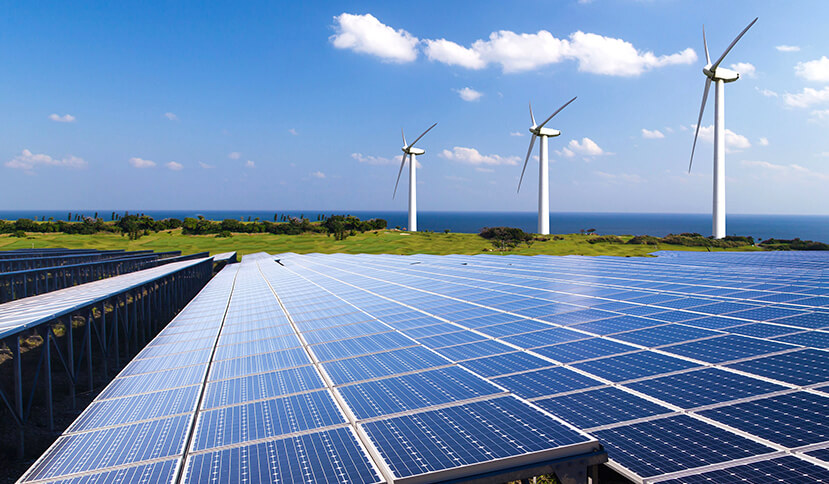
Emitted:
pixel 782 470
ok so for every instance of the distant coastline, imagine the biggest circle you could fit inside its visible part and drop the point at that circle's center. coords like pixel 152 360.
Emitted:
pixel 812 227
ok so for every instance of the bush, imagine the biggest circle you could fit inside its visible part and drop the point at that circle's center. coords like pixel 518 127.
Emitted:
pixel 793 244
pixel 19 233
pixel 506 238
pixel 224 233
pixel 609 239
pixel 644 240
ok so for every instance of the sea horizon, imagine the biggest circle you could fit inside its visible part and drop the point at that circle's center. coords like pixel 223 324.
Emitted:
pixel 759 226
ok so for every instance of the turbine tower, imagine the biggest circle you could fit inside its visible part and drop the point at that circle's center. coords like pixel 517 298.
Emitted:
pixel 538 130
pixel 410 151
pixel 719 75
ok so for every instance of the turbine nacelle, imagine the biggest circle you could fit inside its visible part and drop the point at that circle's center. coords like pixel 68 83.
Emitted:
pixel 550 132
pixel 720 74
pixel 412 151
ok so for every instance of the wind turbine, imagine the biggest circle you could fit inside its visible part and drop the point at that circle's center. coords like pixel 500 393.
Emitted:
pixel 543 177
pixel 719 75
pixel 410 151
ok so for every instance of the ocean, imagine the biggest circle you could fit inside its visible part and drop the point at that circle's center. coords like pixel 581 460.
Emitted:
pixel 807 227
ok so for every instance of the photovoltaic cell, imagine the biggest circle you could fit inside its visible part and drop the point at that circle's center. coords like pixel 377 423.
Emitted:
pixel 633 365
pixel 601 406
pixel 786 469
pixel 549 381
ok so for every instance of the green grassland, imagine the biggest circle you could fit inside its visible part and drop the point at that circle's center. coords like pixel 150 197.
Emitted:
pixel 374 242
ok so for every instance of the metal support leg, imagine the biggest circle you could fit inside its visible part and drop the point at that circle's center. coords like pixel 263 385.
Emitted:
pixel 18 390
pixel 47 348
pixel 70 358
pixel 89 322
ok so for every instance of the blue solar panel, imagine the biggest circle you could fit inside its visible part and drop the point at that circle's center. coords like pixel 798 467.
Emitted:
pixel 413 391
pixel 584 350
pixel 703 387
pixel 549 381
pixel 163 471
pixel 811 339
pixel 781 470
pixel 790 420
pixel 263 385
pixel 507 363
pixel 347 348
pixel 451 339
pixel 460 436
pixel 633 365
pixel 726 348
pixel 665 335
pixel 809 320
pixel 382 364
pixel 543 338
pixel 804 367
pixel 674 444
pixel 331 456
pixel 763 330
pixel 601 406
pixel 474 350
pixel 248 365
pixel 617 325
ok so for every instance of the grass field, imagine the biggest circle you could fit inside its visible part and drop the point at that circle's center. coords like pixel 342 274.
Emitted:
pixel 379 242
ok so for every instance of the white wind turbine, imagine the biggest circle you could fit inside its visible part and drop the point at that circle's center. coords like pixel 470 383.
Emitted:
pixel 543 177
pixel 410 151
pixel 720 76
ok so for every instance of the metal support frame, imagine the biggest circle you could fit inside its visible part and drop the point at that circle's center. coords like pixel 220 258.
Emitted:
pixel 129 323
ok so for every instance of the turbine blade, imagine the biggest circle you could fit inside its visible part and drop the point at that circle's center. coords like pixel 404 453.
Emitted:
pixel 532 118
pixel 422 135
pixel 402 162
pixel 404 137
pixel 530 150
pixel 705 43
pixel 699 120
pixel 733 43
pixel 557 111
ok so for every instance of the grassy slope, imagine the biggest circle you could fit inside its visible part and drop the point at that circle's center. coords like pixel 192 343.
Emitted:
pixel 389 242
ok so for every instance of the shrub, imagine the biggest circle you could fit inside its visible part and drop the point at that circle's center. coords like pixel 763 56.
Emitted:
pixel 609 239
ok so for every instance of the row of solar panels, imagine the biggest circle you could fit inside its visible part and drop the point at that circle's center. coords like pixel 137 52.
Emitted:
pixel 281 398
pixel 668 391
pixel 389 367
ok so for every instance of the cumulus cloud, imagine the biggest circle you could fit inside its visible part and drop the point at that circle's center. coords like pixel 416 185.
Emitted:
pixel 516 133
pixel 234 155
pixel 586 148
pixel 764 141
pixel 821 114
pixel 788 48
pixel 471 156
pixel 141 163
pixel 807 97
pixel 372 160
pixel 66 118
pixel 174 166
pixel 171 116
pixel 512 51
pixel 293 132
pixel 250 164
pixel 317 174
pixel 790 171
pixel 733 141
pixel 652 134
pixel 745 69
pixel 27 160
pixel 815 71
pixel 367 35
pixel 766 92
pixel 205 165
pixel 469 94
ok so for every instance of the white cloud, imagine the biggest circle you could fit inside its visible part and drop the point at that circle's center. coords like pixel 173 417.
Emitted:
pixel 205 165
pixel 171 116
pixel 468 94
pixel 807 97
pixel 745 69
pixel 733 141
pixel 587 148
pixel 652 134
pixel 367 35
pixel 764 141
pixel 317 174
pixel 66 118
pixel 520 52
pixel 615 57
pixel 174 166
pixel 766 92
pixel 791 171
pixel 450 53
pixel 27 160
pixel 821 114
pixel 484 170
pixel 250 164
pixel 234 155
pixel 816 70
pixel 516 133
pixel 373 160
pixel 293 132
pixel 669 129
pixel 141 163
pixel 472 156
pixel 788 48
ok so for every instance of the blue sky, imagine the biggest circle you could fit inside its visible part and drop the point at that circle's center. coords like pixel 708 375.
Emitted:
pixel 277 105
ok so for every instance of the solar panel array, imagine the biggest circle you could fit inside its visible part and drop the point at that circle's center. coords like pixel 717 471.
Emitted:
pixel 690 367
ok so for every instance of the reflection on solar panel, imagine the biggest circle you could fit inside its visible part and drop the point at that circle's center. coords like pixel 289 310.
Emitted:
pixel 689 367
